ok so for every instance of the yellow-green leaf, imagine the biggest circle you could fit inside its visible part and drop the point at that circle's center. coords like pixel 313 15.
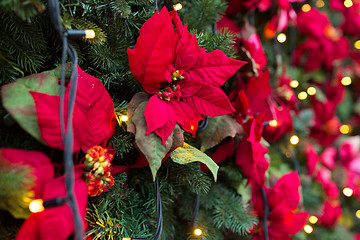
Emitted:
pixel 189 154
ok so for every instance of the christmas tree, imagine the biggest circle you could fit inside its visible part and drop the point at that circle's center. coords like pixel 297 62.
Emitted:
pixel 199 119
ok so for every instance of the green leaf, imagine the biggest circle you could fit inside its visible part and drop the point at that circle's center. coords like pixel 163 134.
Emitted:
pixel 217 130
pixel 189 154
pixel 18 101
pixel 150 145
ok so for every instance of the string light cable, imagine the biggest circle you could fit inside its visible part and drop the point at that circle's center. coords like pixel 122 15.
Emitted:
pixel 266 213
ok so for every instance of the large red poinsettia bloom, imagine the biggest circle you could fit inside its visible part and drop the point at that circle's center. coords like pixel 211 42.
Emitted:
pixel 283 199
pixel 183 80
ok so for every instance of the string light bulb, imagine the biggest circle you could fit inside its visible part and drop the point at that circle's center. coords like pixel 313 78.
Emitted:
pixel 198 232
pixel 281 38
pixel 357 214
pixel 177 6
pixel 294 140
pixel 302 95
pixel 89 33
pixel 344 129
pixel 294 83
pixel 313 219
pixel 357 44
pixel 36 206
pixel 320 3
pixel 273 123
pixel 126 238
pixel 346 81
pixel 124 118
pixel 348 3
pixel 311 90
pixel 308 229
pixel 306 8
pixel 348 192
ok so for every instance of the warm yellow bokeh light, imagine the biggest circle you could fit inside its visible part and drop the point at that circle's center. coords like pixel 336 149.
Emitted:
pixel 302 95
pixel 281 37
pixel 308 229
pixel 357 214
pixel 311 90
pixel 348 192
pixel 313 219
pixel 89 33
pixel 177 7
pixel 344 129
pixel 357 44
pixel 126 238
pixel 197 232
pixel 320 3
pixel 124 118
pixel 273 123
pixel 294 140
pixel 348 3
pixel 294 83
pixel 346 81
pixel 306 8
pixel 36 206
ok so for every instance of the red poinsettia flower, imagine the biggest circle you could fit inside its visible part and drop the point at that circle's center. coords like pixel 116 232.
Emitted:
pixel 94 118
pixel 324 45
pixel 54 222
pixel 236 6
pixel 183 80
pixel 283 199
pixel 250 154
pixel 330 213
pixel 351 16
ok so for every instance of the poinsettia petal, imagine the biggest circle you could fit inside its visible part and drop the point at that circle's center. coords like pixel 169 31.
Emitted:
pixel 214 68
pixel 189 88
pixel 210 101
pixel 165 131
pixel 151 60
pixel 48 113
pixel 186 116
pixel 157 114
pixel 96 104
pixel 40 164
pixel 187 51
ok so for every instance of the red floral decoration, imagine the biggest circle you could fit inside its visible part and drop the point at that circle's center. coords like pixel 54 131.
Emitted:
pixel 183 80
pixel 98 170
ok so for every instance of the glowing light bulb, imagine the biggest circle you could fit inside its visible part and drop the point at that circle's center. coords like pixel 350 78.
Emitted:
pixel 89 33
pixel 320 3
pixel 357 214
pixel 294 83
pixel 357 44
pixel 36 206
pixel 313 219
pixel 197 232
pixel 302 95
pixel 348 3
pixel 294 140
pixel 306 8
pixel 273 123
pixel 344 129
pixel 311 90
pixel 348 192
pixel 346 81
pixel 177 7
pixel 281 37
pixel 124 238
pixel 124 118
pixel 308 229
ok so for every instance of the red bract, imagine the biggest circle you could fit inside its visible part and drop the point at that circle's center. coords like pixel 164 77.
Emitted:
pixel 331 211
pixel 351 16
pixel 94 118
pixel 283 199
pixel 183 80
pixel 236 6
pixel 250 154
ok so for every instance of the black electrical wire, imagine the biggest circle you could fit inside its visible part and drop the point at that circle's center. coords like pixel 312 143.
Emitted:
pixel 159 228
pixel 266 214
pixel 203 124
pixel 54 11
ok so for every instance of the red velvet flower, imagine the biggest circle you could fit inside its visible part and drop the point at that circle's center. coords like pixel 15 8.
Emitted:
pixel 250 154
pixel 283 199
pixel 183 80
pixel 94 118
